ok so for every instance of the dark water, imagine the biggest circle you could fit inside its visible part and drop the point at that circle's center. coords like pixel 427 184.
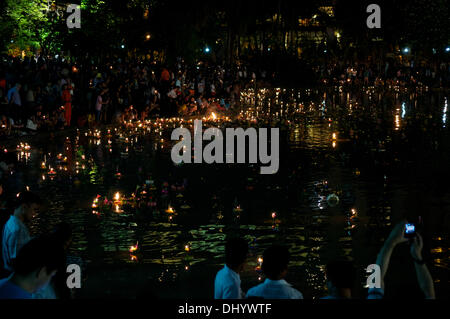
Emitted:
pixel 384 156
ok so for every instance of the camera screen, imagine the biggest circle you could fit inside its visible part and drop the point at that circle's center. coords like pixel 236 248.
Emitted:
pixel 409 228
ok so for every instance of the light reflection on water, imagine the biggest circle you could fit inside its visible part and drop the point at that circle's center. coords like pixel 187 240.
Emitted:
pixel 314 195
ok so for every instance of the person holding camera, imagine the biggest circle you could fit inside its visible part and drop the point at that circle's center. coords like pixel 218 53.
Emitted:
pixel 404 232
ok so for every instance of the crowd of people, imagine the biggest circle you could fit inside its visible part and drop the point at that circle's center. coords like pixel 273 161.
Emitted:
pixel 36 267
pixel 51 94
pixel 340 273
pixel 406 72
pixel 43 94
pixel 38 94
pixel 33 268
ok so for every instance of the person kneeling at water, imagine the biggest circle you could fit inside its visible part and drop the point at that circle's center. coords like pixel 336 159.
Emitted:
pixel 228 282
pixel 275 267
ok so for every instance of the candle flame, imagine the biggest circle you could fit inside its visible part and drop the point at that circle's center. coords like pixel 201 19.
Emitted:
pixel 134 248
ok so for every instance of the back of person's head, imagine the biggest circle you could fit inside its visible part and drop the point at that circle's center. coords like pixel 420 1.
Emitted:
pixel 38 260
pixel 236 250
pixel 62 234
pixel 341 273
pixel 27 198
pixel 275 261
pixel 8 158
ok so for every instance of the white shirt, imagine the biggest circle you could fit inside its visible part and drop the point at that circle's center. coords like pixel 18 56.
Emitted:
pixel 31 125
pixel 15 236
pixel 227 284
pixel 275 289
pixel 172 94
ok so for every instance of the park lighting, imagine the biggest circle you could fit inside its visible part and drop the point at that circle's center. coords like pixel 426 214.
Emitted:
pixel 447 49
pixel 123 46
pixel 207 49
pixel 406 50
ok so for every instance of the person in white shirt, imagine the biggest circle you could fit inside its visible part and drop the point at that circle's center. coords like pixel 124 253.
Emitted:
pixel 228 282
pixel 275 267
pixel 15 232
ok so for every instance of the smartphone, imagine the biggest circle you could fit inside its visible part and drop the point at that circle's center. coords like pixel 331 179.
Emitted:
pixel 410 231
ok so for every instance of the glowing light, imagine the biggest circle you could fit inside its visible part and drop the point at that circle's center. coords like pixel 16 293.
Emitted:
pixel 134 248
pixel 397 122
pixel 444 113
pixel 170 210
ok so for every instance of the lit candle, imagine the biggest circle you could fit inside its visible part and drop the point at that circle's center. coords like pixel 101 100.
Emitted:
pixel 134 248
pixel 117 198
pixel 170 210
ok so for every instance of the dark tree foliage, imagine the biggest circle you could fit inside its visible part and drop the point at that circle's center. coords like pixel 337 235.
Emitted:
pixel 186 28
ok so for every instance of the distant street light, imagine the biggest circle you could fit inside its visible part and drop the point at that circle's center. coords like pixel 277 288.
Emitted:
pixel 447 49
pixel 207 49
pixel 405 50
pixel 122 46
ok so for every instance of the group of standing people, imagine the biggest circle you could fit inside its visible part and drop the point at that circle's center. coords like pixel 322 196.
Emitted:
pixel 340 273
pixel 32 267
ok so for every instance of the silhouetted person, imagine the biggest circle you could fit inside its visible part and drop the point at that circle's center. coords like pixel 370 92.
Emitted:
pixel 228 282
pixel 341 275
pixel 34 266
pixel 397 236
pixel 57 287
